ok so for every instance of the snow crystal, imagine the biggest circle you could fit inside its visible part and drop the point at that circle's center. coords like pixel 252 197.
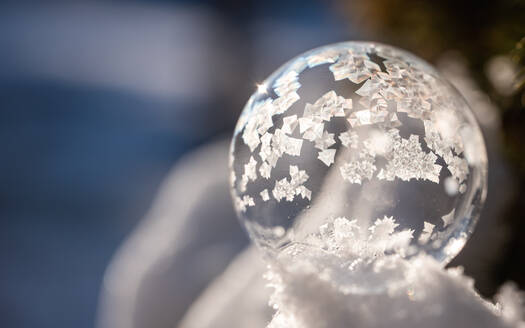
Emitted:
pixel 327 156
pixel 349 139
pixel 249 169
pixel 287 190
pixel 325 141
pixel 407 160
pixel 448 218
pixel 242 203
pixel 358 170
pixel 426 233
pixel 289 124
pixel 264 195
pixel 324 57
pixel 265 170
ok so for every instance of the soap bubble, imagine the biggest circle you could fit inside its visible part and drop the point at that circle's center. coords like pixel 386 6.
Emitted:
pixel 358 151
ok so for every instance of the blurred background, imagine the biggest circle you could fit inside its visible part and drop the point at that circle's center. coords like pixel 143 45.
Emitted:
pixel 100 100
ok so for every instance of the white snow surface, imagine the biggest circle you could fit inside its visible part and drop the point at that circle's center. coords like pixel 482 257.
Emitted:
pixel 430 296
pixel 303 298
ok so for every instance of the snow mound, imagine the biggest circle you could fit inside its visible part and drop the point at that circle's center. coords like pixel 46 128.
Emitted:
pixel 319 287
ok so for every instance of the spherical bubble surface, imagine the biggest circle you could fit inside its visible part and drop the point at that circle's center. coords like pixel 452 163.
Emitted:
pixel 358 150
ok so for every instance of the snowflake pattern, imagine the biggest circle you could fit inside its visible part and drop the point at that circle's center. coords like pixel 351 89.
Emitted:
pixel 386 96
pixel 288 189
pixel 358 170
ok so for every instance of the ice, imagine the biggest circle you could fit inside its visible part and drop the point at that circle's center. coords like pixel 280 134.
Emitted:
pixel 358 170
pixel 327 156
pixel 349 139
pixel 264 195
pixel 405 142
pixel 288 189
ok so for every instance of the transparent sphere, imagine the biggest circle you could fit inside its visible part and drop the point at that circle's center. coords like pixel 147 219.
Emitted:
pixel 358 150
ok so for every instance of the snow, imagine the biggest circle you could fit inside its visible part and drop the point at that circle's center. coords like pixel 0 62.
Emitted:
pixel 429 297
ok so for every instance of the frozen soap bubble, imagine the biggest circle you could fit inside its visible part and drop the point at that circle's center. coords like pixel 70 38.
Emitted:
pixel 358 151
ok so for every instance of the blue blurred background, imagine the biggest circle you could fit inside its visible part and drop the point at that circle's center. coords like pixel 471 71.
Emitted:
pixel 98 101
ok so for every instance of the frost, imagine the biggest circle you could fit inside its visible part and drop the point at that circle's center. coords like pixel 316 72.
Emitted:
pixel 366 117
pixel 304 192
pixel 287 83
pixel 406 160
pixel 283 103
pixel 324 57
pixel 264 195
pixel 327 156
pixel 426 233
pixel 348 240
pixel 242 203
pixel 312 129
pixel 325 141
pixel 382 228
pixel 279 231
pixel 259 122
pixel 313 288
pixel 344 230
pixel 274 146
pixel 354 66
pixel 311 125
pixel 382 237
pixel 401 124
pixel 429 296
pixel 448 218
pixel 248 201
pixel 249 174
pixel 451 186
pixel 351 270
pixel 283 144
pixel 249 169
pixel 459 168
pixel 455 244
pixel 349 139
pixel 379 143
pixel 233 177
pixel 511 304
pixel 287 190
pixel 251 137
pixel 266 150
pixel 265 170
pixel 289 124
pixel 331 105
pixel 358 170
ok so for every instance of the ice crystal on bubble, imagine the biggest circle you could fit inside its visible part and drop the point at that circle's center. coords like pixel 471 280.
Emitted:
pixel 249 169
pixel 356 67
pixel 249 173
pixel 426 233
pixel 325 57
pixel 289 124
pixel 358 170
pixel 327 156
pixel 242 203
pixel 265 170
pixel 447 219
pixel 325 141
pixel 349 139
pixel 459 168
pixel 363 131
pixel 288 189
pixel 264 195
pixel 407 160
pixel 349 241
pixel 283 103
